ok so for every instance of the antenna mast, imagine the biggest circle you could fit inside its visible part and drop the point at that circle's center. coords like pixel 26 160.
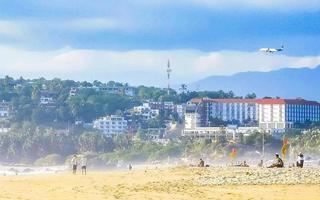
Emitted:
pixel 168 74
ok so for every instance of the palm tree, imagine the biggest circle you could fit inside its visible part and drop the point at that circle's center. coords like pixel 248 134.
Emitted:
pixel 183 88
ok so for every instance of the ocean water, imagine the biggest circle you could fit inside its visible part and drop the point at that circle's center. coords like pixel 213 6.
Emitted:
pixel 25 170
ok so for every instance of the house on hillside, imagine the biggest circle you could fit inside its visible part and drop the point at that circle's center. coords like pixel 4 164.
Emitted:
pixel 146 112
pixel 5 109
pixel 47 98
pixel 120 90
pixel 73 92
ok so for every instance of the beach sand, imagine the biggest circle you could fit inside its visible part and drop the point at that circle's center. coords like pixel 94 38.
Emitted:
pixel 170 183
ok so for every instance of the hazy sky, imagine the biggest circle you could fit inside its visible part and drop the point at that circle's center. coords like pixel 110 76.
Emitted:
pixel 131 41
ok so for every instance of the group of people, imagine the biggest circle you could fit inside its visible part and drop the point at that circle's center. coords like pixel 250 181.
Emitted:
pixel 76 161
pixel 279 162
pixel 82 161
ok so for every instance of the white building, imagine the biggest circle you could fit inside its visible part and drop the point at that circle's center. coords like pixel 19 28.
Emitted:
pixel 111 125
pixel 146 111
pixel 165 106
pixel 169 105
pixel 194 129
pixel 240 111
pixel 72 92
pixel 274 115
pixel 280 114
pixel 120 90
pixel 5 109
pixel 230 134
pixel 47 97
pixel 192 120
pixel 181 110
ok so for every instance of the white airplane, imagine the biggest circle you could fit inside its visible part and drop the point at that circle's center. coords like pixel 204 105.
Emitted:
pixel 271 50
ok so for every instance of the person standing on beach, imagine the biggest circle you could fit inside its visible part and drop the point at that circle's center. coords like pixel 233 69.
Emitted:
pixel 201 163
pixel 300 160
pixel 84 165
pixel 74 164
pixel 260 164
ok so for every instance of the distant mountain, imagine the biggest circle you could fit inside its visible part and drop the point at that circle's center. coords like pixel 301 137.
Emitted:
pixel 286 83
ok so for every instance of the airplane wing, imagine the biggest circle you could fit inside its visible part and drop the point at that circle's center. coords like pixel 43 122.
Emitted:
pixel 264 49
pixel 273 50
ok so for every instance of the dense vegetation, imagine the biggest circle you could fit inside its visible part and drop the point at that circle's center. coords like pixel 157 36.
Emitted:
pixel 36 144
pixel 44 146
pixel 47 134
pixel 307 142
pixel 87 104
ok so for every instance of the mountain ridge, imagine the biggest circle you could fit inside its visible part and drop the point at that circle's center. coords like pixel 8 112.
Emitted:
pixel 285 82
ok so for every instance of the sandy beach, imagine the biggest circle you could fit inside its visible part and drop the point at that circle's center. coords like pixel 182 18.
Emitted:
pixel 170 183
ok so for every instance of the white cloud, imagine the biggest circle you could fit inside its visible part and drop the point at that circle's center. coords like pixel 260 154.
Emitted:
pixel 96 24
pixel 140 66
pixel 10 29
pixel 230 62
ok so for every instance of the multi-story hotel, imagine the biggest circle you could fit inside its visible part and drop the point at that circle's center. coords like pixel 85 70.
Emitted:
pixel 229 110
pixel 269 114
pixel 287 113
pixel 111 125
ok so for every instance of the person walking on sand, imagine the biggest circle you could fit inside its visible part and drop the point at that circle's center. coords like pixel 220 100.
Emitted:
pixel 84 165
pixel 278 162
pixel 74 164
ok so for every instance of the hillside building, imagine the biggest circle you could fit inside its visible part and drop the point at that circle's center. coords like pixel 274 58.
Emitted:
pixel 111 125
pixel 267 114
pixel 240 111
pixel 5 109
pixel 47 97
pixel 287 113
pixel 146 111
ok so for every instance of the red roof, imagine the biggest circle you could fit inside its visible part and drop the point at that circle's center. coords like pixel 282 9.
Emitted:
pixel 271 101
pixel 200 100
pixel 287 101
pixel 235 100
pixel 196 100
pixel 258 101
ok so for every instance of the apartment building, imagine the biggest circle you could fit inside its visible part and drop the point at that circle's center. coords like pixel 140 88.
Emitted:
pixel 242 111
pixel 146 111
pixel 111 125
pixel 269 114
pixel 287 113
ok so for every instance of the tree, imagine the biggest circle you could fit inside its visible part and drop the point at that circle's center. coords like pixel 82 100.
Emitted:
pixel 97 83
pixel 251 96
pixel 141 134
pixel 94 142
pixel 183 88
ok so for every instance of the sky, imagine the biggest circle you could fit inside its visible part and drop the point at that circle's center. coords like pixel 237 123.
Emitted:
pixel 131 41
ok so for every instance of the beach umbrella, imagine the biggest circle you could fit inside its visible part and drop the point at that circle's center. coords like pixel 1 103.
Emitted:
pixel 284 148
pixel 233 153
